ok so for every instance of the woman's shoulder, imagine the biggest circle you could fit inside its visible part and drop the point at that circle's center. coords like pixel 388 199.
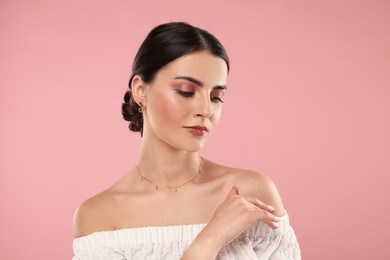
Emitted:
pixel 91 215
pixel 253 184
pixel 97 212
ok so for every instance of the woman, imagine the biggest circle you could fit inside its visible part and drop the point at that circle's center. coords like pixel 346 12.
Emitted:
pixel 174 204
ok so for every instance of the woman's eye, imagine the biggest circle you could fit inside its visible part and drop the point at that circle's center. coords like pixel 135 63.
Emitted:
pixel 216 99
pixel 186 94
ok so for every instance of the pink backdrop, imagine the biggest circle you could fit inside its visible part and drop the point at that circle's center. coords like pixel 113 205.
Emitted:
pixel 308 104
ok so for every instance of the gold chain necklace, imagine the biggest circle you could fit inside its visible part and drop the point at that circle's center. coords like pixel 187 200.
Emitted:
pixel 168 187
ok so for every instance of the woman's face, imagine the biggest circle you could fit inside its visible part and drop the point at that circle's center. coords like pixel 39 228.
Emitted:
pixel 184 101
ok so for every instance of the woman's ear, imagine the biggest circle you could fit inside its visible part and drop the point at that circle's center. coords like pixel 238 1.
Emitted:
pixel 138 89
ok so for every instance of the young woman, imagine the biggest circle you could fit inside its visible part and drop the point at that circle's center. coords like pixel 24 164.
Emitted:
pixel 174 204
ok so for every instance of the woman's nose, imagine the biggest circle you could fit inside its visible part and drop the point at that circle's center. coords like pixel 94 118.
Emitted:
pixel 204 107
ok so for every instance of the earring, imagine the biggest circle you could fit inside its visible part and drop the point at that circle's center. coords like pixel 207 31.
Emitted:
pixel 140 110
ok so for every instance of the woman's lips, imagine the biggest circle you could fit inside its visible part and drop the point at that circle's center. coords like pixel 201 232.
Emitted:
pixel 196 130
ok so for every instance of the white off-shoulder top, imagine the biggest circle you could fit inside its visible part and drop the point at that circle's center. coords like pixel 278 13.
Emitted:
pixel 259 241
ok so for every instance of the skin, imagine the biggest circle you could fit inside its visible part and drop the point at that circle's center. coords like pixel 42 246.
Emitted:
pixel 229 200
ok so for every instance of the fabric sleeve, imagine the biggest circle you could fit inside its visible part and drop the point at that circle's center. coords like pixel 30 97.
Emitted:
pixel 97 247
pixel 99 254
pixel 280 245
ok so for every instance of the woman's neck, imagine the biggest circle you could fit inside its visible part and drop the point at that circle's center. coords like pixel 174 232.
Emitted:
pixel 165 165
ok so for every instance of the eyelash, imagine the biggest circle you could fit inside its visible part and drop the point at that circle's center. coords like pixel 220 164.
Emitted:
pixel 188 94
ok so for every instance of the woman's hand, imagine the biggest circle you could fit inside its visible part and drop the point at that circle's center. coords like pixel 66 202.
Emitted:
pixel 232 217
pixel 236 214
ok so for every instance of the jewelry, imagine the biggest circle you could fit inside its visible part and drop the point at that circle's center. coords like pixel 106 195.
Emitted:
pixel 140 110
pixel 168 187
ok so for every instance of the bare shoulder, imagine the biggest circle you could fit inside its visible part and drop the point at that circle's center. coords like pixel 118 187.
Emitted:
pixel 254 184
pixel 91 215
pixel 260 186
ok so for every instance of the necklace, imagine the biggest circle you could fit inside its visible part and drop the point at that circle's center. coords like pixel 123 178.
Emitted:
pixel 168 187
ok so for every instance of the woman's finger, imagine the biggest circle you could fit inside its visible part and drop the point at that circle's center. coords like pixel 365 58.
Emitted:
pixel 260 204
pixel 233 191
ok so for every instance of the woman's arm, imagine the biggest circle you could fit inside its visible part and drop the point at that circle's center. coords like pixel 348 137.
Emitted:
pixel 230 219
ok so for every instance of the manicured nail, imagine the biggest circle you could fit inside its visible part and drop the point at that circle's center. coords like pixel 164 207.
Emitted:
pixel 276 225
pixel 272 208
pixel 277 219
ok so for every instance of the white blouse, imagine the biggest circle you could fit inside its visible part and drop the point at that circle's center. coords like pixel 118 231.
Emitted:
pixel 259 241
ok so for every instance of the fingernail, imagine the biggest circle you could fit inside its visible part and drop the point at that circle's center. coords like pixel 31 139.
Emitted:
pixel 272 208
pixel 277 219
pixel 276 225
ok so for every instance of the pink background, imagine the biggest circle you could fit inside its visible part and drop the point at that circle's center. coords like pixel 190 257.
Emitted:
pixel 308 104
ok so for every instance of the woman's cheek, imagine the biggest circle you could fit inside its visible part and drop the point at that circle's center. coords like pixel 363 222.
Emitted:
pixel 170 106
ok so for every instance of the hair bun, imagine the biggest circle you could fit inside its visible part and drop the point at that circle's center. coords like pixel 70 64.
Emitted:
pixel 130 113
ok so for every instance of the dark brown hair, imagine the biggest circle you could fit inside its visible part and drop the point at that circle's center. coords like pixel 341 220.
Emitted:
pixel 164 44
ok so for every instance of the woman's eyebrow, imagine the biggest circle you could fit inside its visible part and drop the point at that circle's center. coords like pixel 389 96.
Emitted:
pixel 198 82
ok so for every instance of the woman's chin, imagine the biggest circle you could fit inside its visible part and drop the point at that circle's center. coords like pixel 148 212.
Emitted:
pixel 190 147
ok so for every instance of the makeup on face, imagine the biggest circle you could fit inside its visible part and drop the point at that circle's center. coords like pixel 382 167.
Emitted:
pixel 187 86
pixel 196 130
